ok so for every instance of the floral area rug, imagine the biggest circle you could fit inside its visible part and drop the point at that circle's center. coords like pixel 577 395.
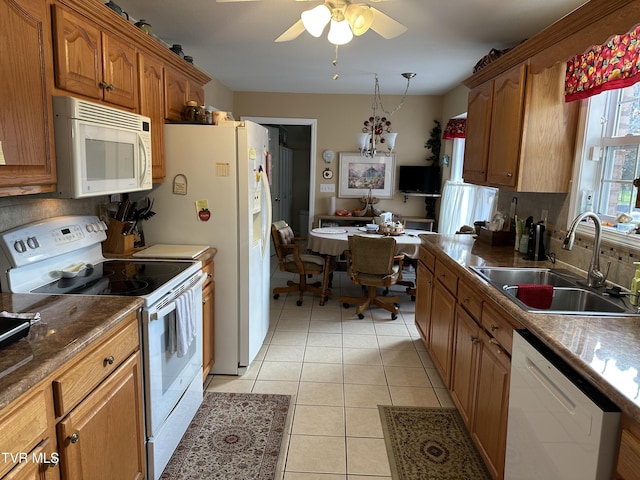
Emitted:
pixel 237 436
pixel 429 444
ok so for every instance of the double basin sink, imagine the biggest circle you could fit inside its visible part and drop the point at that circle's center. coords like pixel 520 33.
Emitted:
pixel 570 296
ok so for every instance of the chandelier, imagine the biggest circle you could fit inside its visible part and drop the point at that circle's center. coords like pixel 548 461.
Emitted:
pixel 346 20
pixel 377 128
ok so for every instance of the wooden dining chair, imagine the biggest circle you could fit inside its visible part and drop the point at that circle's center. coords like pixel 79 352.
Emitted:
pixel 293 257
pixel 372 262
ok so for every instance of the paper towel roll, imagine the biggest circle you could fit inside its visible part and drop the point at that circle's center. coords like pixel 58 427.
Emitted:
pixel 332 205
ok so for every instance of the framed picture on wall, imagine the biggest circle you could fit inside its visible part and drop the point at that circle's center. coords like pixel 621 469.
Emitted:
pixel 358 174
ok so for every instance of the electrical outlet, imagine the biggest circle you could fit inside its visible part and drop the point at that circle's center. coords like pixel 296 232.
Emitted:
pixel 327 187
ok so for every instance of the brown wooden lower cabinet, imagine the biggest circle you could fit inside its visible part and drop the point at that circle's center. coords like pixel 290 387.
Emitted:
pixel 465 364
pixel 628 465
pixel 208 320
pixel 441 330
pixel 489 429
pixel 424 289
pixel 100 438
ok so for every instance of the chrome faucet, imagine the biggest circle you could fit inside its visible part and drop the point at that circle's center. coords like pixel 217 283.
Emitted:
pixel 595 278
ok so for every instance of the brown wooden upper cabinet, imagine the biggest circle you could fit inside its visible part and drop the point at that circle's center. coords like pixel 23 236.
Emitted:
pixel 92 62
pixel 179 89
pixel 151 78
pixel 476 147
pixel 26 122
pixel 519 130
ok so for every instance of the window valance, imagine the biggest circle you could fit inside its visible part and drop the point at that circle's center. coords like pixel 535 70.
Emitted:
pixel 456 128
pixel 612 65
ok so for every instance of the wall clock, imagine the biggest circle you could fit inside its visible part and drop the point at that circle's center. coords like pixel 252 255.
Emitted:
pixel 327 174
pixel 328 156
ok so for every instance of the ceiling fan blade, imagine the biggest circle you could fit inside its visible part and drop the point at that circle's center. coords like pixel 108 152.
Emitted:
pixel 386 26
pixel 291 33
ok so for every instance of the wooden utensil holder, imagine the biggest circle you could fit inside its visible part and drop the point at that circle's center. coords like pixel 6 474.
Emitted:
pixel 116 242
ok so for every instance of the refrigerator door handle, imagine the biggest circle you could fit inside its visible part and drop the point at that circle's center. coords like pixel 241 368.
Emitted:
pixel 266 194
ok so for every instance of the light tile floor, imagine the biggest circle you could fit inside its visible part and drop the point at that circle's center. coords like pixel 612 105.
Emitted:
pixel 340 368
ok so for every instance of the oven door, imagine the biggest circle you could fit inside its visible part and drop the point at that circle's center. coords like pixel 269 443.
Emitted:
pixel 166 374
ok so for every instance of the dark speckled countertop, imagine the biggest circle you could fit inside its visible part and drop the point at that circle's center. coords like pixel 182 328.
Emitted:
pixel 69 323
pixel 605 350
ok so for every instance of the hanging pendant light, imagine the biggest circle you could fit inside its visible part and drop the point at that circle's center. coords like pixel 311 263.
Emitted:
pixel 377 128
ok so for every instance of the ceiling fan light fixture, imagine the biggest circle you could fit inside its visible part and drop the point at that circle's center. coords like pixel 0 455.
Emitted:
pixel 339 32
pixel 316 19
pixel 360 18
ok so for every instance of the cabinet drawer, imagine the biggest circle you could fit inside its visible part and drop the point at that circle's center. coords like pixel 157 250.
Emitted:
pixel 470 300
pixel 494 322
pixel 446 277
pixel 427 258
pixel 24 425
pixel 83 376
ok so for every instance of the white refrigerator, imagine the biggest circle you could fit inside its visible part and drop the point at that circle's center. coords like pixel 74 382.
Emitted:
pixel 216 193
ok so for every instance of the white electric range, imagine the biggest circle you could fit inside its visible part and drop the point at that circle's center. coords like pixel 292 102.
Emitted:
pixel 63 256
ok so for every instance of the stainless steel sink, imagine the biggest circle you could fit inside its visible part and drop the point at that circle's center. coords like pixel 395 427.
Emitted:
pixel 570 295
pixel 514 276
pixel 574 300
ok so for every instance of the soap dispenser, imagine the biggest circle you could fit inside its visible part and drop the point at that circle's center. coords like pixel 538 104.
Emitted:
pixel 635 285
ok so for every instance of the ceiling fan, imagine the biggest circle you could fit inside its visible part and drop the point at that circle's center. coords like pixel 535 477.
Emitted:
pixel 346 19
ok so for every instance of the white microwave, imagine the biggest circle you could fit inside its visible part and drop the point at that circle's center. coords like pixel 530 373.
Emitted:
pixel 100 150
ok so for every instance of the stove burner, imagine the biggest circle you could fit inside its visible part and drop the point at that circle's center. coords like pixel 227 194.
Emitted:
pixel 127 287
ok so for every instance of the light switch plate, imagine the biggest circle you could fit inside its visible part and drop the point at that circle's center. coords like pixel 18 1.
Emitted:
pixel 327 187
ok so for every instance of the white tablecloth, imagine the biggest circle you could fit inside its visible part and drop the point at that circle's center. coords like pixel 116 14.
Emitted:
pixel 334 240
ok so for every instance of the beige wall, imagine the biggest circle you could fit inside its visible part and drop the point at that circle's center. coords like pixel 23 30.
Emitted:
pixel 339 118
pixel 218 95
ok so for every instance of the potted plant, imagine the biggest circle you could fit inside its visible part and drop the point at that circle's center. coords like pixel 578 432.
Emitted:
pixel 433 144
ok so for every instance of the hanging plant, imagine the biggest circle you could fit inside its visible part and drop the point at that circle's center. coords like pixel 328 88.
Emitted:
pixel 434 143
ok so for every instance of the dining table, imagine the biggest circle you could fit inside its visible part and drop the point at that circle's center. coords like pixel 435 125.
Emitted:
pixel 333 241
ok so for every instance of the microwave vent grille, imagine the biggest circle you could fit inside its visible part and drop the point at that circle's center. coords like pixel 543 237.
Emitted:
pixel 94 113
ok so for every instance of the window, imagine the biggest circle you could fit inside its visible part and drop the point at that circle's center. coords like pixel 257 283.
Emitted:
pixel 463 203
pixel 610 161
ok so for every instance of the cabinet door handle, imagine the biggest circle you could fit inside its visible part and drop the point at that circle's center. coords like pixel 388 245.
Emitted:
pixel 209 276
pixel 107 86
pixel 75 437
pixel 204 301
pixel 494 341
pixel 494 327
pixel 474 339
pixel 109 360
pixel 465 300
pixel 509 174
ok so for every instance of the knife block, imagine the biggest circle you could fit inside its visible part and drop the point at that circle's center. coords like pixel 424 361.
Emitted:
pixel 116 242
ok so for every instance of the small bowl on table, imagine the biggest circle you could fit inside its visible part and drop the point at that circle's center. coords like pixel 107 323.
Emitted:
pixel 371 227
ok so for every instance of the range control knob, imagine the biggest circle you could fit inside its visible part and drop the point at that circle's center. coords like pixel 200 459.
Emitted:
pixel 90 227
pixel 32 242
pixel 19 246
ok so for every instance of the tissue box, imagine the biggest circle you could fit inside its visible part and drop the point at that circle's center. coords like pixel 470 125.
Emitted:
pixel 499 238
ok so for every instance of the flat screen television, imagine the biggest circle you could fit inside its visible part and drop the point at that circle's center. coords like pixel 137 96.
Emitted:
pixel 419 179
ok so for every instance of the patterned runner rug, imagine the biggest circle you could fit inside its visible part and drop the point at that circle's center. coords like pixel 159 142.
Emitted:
pixel 233 436
pixel 429 444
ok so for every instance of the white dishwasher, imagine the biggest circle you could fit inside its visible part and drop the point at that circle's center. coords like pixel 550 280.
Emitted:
pixel 559 426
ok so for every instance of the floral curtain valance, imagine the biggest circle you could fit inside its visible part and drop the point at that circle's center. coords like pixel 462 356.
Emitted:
pixel 456 128
pixel 612 65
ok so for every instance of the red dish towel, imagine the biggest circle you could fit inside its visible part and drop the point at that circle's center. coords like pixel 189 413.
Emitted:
pixel 535 296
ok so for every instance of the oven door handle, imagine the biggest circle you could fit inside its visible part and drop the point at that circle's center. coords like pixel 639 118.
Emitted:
pixel 170 307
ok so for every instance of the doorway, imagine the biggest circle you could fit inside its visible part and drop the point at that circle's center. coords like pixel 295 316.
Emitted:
pixel 293 171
